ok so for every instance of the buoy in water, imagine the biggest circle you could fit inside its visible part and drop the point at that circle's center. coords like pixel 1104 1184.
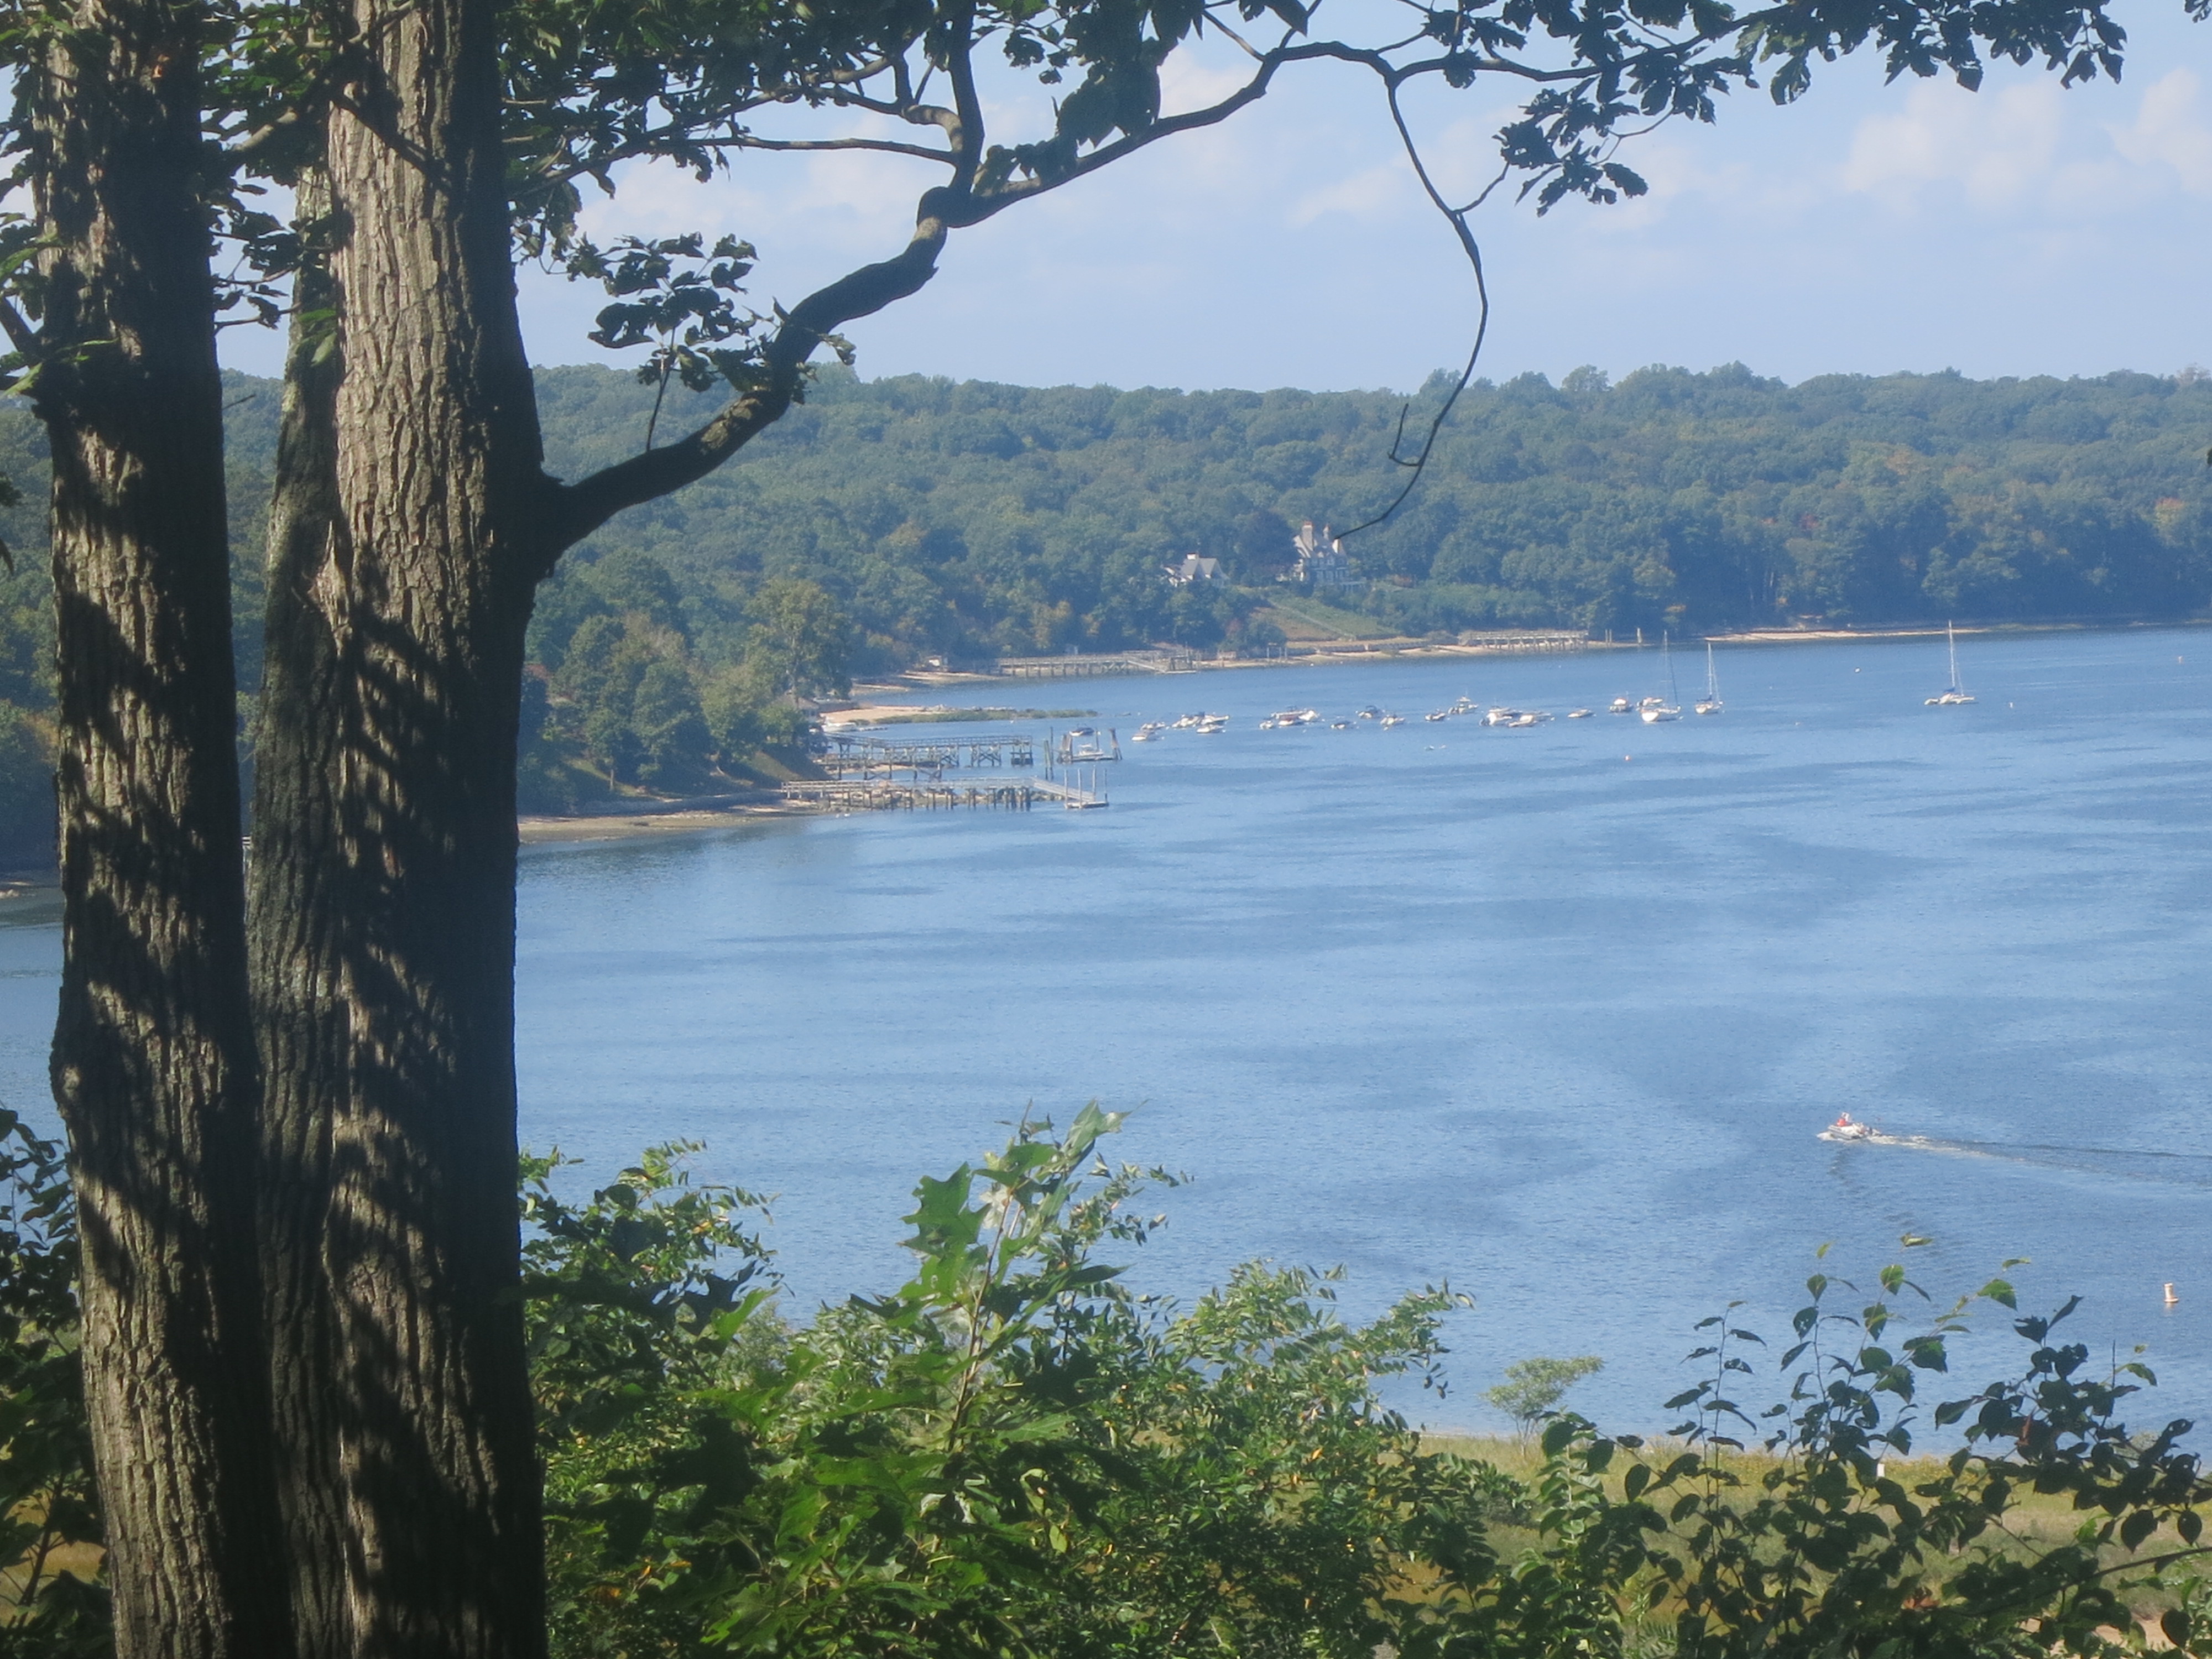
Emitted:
pixel 2171 1298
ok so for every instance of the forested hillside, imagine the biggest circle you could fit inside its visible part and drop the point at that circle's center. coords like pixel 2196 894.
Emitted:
pixel 977 520
pixel 887 521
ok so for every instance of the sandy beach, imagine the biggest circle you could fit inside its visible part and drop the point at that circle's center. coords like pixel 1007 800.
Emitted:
pixel 625 826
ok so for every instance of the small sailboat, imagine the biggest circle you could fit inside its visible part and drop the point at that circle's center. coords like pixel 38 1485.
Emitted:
pixel 1710 702
pixel 1670 707
pixel 1953 694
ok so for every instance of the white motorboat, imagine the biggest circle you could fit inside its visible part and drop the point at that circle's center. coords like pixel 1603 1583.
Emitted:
pixel 1578 714
pixel 1440 714
pixel 1390 720
pixel 1370 713
pixel 1710 702
pixel 1845 1129
pixel 1953 694
pixel 1212 725
pixel 1621 706
pixel 1148 732
pixel 1187 722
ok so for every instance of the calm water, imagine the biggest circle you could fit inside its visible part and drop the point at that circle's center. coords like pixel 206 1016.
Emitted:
pixel 1552 1014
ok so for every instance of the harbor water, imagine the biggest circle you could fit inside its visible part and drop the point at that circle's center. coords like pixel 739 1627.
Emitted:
pixel 1552 1014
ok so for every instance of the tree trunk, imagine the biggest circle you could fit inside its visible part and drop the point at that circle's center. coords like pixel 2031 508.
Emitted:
pixel 153 1059
pixel 383 903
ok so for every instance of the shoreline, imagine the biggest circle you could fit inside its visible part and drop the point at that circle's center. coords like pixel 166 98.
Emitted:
pixel 652 818
pixel 924 680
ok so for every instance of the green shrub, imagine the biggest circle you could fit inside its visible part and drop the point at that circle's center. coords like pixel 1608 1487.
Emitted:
pixel 1013 1454
pixel 49 1516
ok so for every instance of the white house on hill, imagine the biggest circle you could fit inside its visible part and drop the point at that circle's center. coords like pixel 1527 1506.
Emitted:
pixel 1322 560
pixel 1194 570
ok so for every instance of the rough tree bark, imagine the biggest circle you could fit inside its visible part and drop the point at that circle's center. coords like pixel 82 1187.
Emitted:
pixel 412 522
pixel 382 910
pixel 153 1062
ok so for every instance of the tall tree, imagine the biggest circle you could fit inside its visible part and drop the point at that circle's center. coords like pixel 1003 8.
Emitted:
pixel 153 1062
pixel 403 563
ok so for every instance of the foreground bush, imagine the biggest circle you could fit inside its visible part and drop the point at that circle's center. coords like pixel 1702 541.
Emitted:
pixel 1013 1454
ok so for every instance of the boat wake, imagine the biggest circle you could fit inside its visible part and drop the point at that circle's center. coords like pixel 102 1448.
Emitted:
pixel 2179 1168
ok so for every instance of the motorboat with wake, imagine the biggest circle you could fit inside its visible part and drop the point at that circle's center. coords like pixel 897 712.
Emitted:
pixel 1847 1130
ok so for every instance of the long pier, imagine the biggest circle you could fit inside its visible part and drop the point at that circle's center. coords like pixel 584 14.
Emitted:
pixel 867 755
pixel 1077 666
pixel 885 795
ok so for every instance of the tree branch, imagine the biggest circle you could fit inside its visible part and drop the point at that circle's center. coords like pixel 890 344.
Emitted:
pixel 885 146
pixel 579 508
pixel 1458 218
pixel 20 334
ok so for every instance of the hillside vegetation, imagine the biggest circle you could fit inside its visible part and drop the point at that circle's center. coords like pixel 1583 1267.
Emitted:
pixel 889 521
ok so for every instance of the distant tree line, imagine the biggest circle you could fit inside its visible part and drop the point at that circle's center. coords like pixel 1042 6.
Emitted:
pixel 889 521
pixel 975 520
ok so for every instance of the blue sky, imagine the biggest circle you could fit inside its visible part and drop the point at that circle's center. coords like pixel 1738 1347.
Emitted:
pixel 2020 230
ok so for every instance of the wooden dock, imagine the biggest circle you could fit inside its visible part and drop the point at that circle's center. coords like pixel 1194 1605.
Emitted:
pixel 1076 666
pixel 868 755
pixel 920 795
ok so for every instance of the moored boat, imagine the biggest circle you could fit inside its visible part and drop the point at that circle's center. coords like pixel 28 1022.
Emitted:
pixel 1710 702
pixel 1953 694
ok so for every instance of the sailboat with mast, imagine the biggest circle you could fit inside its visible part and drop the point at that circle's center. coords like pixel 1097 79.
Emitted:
pixel 1669 707
pixel 1953 694
pixel 1710 702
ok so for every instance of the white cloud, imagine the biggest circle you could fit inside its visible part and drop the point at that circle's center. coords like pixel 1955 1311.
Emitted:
pixel 1995 147
pixel 1380 192
pixel 2167 131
